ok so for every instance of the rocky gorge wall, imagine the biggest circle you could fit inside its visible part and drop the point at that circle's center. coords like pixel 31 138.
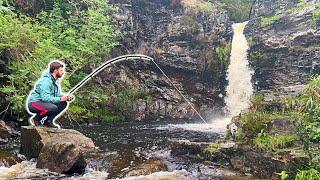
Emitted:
pixel 284 38
pixel 181 36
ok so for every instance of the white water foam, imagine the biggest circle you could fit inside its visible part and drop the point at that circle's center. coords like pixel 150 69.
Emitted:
pixel 177 175
pixel 215 126
pixel 28 170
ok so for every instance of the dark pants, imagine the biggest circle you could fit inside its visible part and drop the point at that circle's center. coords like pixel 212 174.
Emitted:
pixel 43 109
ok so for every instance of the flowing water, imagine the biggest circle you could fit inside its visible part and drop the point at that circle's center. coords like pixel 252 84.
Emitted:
pixel 239 89
pixel 134 141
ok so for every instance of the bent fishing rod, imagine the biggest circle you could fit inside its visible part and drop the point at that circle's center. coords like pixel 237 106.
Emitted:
pixel 107 64
pixel 129 57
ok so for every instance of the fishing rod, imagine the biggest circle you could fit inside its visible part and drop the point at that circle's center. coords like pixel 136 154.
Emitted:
pixel 129 57
pixel 107 64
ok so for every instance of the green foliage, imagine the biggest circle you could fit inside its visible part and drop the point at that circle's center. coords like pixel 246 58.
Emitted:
pixel 308 107
pixel 260 56
pixel 103 115
pixel 108 104
pixel 266 21
pixel 253 123
pixel 22 40
pixel 78 32
pixel 212 148
pixel 283 175
pixel 257 102
pixel 315 17
pixel 220 60
pixel 253 127
pixel 310 174
pixel 251 42
pixel 267 142
pixel 238 10
pixel 205 7
pixel 223 52
pixel 239 134
pixel 74 109
pixel 127 98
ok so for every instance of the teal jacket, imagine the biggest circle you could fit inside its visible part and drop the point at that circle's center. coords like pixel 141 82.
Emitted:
pixel 46 90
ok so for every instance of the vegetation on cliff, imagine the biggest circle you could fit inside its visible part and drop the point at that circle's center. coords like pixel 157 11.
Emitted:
pixel 302 6
pixel 258 128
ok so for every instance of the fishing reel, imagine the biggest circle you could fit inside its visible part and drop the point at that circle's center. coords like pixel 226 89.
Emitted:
pixel 70 98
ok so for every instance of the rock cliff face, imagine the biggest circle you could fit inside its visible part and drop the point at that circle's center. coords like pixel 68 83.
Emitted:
pixel 284 38
pixel 182 37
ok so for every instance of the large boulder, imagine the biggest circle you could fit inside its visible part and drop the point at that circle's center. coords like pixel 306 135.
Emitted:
pixel 59 150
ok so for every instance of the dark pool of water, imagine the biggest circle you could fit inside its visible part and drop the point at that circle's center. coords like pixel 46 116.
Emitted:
pixel 114 136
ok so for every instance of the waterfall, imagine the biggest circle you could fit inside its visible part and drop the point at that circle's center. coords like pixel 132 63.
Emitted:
pixel 239 74
pixel 238 90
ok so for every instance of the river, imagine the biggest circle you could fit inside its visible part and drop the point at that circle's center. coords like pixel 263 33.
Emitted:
pixel 132 142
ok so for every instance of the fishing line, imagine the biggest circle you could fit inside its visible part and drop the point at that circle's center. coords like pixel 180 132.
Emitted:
pixel 128 57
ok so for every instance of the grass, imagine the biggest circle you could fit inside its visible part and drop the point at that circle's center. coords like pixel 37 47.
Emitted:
pixel 272 143
pixel 270 20
pixel 310 174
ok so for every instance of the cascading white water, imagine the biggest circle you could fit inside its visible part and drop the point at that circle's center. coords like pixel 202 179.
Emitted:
pixel 238 90
pixel 239 74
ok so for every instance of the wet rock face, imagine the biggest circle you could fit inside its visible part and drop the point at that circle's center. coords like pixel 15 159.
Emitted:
pixel 241 158
pixel 284 44
pixel 6 131
pixel 148 167
pixel 129 164
pixel 59 150
pixel 181 38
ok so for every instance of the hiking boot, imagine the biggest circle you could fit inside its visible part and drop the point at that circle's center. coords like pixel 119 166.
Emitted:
pixel 49 123
pixel 36 122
